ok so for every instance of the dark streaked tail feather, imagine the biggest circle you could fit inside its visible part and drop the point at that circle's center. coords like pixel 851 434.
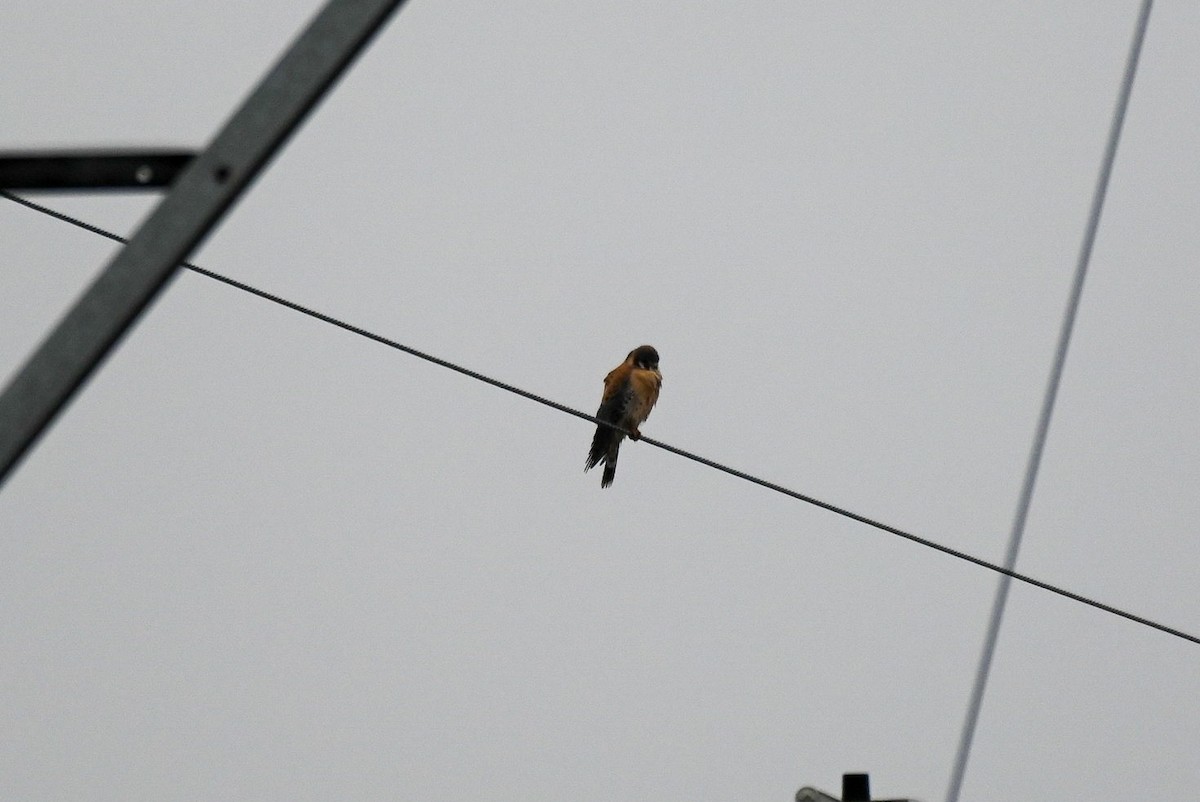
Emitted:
pixel 599 447
pixel 605 445
pixel 610 463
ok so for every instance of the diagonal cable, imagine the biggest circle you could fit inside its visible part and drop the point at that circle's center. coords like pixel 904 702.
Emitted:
pixel 1043 425
pixel 842 511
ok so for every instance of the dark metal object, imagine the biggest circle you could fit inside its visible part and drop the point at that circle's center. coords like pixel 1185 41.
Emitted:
pixel 82 170
pixel 206 189
pixel 856 788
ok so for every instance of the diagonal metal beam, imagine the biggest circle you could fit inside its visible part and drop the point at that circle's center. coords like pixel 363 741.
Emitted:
pixel 201 196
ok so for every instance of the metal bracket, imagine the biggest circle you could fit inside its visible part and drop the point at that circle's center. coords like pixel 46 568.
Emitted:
pixel 83 170
pixel 212 182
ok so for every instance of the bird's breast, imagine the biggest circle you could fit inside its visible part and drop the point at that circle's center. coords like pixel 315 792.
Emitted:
pixel 645 385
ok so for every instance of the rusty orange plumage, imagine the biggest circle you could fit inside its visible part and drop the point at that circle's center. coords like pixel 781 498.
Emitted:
pixel 630 392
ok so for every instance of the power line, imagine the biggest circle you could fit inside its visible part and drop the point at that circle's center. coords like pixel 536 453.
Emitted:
pixel 1000 600
pixel 960 555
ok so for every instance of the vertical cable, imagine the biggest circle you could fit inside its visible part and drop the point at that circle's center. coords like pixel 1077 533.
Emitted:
pixel 1043 425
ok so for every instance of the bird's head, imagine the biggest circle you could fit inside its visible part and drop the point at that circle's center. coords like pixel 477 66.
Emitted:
pixel 644 357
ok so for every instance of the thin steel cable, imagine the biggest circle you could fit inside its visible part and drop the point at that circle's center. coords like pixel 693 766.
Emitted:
pixel 960 555
pixel 1000 601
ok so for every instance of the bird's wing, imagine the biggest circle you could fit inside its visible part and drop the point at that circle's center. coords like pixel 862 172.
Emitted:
pixel 617 393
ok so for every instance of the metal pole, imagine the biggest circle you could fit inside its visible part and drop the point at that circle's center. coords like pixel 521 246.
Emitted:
pixel 201 196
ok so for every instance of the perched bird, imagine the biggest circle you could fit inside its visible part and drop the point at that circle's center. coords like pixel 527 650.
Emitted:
pixel 630 390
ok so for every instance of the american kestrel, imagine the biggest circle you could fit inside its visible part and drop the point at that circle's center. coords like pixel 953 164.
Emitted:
pixel 630 390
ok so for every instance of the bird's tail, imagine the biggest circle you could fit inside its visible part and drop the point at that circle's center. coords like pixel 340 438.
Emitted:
pixel 610 463
pixel 605 446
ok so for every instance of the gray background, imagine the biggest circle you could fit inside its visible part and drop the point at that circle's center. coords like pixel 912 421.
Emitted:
pixel 262 558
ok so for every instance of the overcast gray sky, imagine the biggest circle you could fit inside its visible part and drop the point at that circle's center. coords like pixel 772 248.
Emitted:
pixel 262 558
